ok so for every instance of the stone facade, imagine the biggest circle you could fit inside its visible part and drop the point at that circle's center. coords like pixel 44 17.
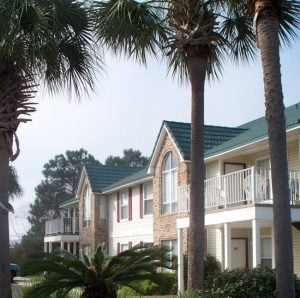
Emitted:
pixel 95 234
pixel 164 225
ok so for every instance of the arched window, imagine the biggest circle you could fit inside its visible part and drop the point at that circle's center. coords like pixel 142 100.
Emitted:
pixel 169 184
pixel 86 207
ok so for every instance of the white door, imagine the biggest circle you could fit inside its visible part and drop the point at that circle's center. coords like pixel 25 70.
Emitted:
pixel 238 253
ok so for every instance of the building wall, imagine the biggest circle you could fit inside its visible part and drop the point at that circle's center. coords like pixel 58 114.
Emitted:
pixel 96 233
pixel 139 229
pixel 164 225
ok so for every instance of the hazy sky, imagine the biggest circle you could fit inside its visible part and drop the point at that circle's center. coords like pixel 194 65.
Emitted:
pixel 127 110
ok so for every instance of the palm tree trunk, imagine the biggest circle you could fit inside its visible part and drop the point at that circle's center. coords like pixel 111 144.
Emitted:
pixel 5 288
pixel 196 242
pixel 268 38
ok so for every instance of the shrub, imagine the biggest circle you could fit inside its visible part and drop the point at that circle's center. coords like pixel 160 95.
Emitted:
pixel 259 282
pixel 212 267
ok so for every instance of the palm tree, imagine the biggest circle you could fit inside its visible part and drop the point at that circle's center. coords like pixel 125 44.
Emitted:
pixel 101 275
pixel 195 36
pixel 40 41
pixel 14 187
pixel 275 20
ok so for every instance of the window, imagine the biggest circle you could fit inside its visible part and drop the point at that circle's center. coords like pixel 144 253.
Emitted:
pixel 148 199
pixel 172 246
pixel 169 184
pixel 266 251
pixel 86 207
pixel 124 205
pixel 124 247
pixel 103 211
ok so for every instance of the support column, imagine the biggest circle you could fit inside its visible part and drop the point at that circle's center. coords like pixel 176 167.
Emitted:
pixel 74 220
pixel 273 248
pixel 50 246
pixel 61 244
pixel 69 246
pixel 45 247
pixel 227 246
pixel 255 243
pixel 180 260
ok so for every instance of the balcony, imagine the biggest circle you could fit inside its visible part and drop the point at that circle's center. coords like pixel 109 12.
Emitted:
pixel 62 226
pixel 246 187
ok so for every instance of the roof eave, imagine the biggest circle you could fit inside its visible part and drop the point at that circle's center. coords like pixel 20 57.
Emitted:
pixel 126 185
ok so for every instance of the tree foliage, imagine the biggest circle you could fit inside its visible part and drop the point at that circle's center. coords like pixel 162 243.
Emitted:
pixel 131 157
pixel 61 174
pixel 101 275
pixel 14 187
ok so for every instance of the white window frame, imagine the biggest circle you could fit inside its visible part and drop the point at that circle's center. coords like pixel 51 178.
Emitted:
pixel 262 257
pixel 147 199
pixel 123 205
pixel 86 207
pixel 170 244
pixel 169 203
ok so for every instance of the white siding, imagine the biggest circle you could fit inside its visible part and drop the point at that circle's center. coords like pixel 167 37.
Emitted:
pixel 213 169
pixel 135 230
pixel 215 243
pixel 296 250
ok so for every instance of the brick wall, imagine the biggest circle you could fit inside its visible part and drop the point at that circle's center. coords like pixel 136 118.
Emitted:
pixel 164 225
pixel 94 234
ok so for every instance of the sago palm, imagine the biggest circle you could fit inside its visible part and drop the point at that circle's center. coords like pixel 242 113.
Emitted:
pixel 195 37
pixel 100 276
pixel 41 42
pixel 275 23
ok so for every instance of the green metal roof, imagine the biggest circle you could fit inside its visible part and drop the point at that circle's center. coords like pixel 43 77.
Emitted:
pixel 100 176
pixel 140 175
pixel 213 136
pixel 256 130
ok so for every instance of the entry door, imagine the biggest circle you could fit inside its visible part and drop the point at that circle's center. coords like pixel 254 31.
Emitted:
pixel 238 253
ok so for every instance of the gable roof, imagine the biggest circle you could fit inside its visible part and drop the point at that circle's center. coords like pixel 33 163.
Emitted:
pixel 132 179
pixel 100 176
pixel 256 130
pixel 213 136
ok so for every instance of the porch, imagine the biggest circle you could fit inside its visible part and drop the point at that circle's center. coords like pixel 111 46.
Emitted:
pixel 248 187
pixel 63 233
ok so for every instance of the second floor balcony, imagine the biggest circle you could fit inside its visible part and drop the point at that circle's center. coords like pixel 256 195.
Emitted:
pixel 246 187
pixel 62 226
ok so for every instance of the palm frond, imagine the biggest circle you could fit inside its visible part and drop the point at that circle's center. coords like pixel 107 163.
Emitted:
pixel 289 20
pixel 129 27
pixel 14 187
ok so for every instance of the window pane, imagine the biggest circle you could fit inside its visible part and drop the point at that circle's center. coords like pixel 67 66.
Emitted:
pixel 174 186
pixel 173 161
pixel 166 208
pixel 166 188
pixel 148 191
pixel 124 212
pixel 267 263
pixel 266 248
pixel 148 207
pixel 124 247
pixel 167 162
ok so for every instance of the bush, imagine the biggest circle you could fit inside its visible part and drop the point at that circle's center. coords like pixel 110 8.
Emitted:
pixel 259 282
pixel 150 288
pixel 212 267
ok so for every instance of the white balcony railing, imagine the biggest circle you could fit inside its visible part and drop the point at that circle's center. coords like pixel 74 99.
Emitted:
pixel 249 186
pixel 62 225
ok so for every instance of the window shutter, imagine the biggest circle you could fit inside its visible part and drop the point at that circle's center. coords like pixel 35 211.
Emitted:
pixel 118 247
pixel 130 244
pixel 141 202
pixel 118 207
pixel 130 204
